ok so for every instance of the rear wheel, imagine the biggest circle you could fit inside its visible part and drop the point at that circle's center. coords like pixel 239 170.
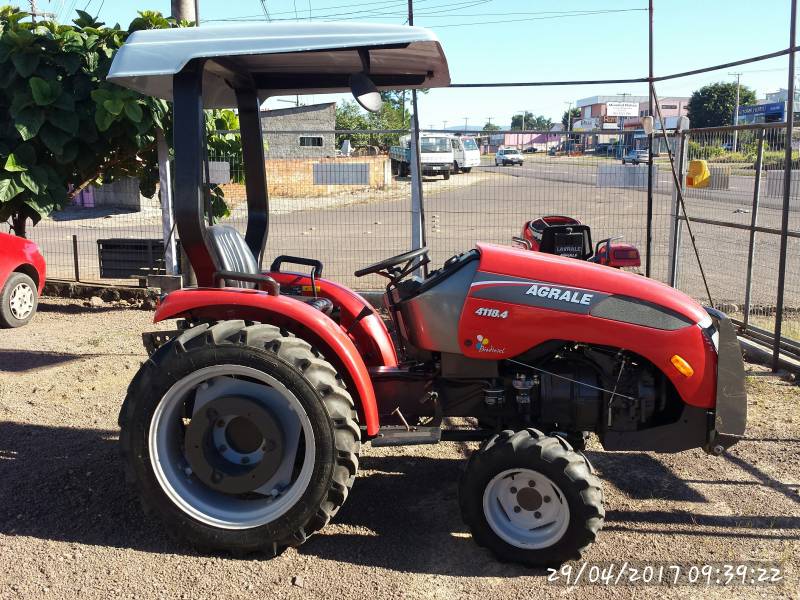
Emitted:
pixel 529 498
pixel 466 169
pixel 239 438
pixel 18 300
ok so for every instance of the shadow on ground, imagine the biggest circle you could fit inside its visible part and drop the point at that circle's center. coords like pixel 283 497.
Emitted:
pixel 66 484
pixel 18 361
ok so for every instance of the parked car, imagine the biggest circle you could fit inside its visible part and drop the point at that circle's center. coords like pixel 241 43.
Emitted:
pixel 508 156
pixel 530 150
pixel 635 157
pixel 22 272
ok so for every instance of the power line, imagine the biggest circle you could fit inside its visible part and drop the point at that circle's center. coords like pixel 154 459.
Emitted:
pixel 264 8
pixel 375 13
pixel 395 5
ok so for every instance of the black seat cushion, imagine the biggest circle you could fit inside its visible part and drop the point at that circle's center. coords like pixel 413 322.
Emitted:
pixel 230 252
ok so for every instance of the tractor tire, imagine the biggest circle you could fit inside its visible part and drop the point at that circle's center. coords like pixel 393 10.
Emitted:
pixel 18 300
pixel 280 416
pixel 555 486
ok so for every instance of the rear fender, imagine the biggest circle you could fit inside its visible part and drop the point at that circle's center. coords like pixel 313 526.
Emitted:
pixel 287 313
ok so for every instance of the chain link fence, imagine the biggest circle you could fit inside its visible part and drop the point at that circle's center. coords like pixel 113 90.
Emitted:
pixel 350 209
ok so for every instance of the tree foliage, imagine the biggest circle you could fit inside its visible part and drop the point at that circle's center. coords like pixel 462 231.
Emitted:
pixel 491 127
pixel 67 127
pixel 531 122
pixel 714 105
pixel 394 114
pixel 570 116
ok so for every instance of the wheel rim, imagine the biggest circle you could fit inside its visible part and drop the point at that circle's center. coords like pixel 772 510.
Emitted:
pixel 190 483
pixel 525 509
pixel 21 301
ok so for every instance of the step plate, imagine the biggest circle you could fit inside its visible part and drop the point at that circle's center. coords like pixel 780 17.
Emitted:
pixel 398 435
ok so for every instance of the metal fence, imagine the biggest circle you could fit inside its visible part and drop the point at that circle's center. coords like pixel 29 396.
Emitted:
pixel 350 211
pixel 737 221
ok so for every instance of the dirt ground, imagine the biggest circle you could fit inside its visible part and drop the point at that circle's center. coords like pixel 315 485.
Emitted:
pixel 69 528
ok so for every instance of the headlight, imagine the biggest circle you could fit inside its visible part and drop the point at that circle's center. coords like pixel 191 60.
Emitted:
pixel 710 331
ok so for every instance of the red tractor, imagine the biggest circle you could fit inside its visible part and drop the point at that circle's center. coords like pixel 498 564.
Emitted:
pixel 566 236
pixel 243 430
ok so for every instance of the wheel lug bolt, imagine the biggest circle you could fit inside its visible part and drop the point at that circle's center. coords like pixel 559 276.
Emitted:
pixel 517 509
pixel 531 483
pixel 513 490
pixel 216 477
pixel 546 498
pixel 537 515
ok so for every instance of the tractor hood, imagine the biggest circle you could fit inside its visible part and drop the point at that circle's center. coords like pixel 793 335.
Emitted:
pixel 539 268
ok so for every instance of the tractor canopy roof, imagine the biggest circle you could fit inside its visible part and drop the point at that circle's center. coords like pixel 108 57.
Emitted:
pixel 281 58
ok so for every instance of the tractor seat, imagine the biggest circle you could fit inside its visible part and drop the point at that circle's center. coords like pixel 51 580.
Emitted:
pixel 230 252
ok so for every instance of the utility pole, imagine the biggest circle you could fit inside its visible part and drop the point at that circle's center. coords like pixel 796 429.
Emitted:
pixel 569 124
pixel 444 124
pixel 35 13
pixel 466 120
pixel 417 207
pixel 185 9
pixel 736 111
pixel 181 9
pixel 650 98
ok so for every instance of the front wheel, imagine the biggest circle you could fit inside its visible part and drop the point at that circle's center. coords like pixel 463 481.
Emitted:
pixel 466 169
pixel 240 438
pixel 18 300
pixel 530 499
pixel 446 174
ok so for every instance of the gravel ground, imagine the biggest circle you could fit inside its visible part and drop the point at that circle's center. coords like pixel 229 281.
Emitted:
pixel 69 528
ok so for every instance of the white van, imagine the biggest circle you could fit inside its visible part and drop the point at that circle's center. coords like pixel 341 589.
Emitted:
pixel 465 153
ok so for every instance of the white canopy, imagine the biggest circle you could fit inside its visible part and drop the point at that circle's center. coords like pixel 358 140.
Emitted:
pixel 281 58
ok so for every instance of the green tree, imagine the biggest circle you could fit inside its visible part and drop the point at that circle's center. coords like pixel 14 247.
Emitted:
pixel 713 105
pixel 532 122
pixel 575 114
pixel 491 127
pixel 67 127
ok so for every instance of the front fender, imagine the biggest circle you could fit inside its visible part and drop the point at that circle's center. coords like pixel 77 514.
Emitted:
pixel 293 315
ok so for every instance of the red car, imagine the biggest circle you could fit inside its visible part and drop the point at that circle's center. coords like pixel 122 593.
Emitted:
pixel 22 272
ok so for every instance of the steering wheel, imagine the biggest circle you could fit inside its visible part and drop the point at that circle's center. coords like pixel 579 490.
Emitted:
pixel 390 267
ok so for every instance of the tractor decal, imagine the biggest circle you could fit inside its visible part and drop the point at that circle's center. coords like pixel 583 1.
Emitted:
pixel 540 294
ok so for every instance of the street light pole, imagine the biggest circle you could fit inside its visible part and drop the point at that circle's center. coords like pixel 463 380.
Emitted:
pixel 736 111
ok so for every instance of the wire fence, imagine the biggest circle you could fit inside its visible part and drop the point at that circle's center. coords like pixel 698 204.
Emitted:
pixel 352 209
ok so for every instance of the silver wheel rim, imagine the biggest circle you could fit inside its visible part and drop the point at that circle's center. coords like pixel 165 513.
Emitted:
pixel 172 470
pixel 525 509
pixel 20 301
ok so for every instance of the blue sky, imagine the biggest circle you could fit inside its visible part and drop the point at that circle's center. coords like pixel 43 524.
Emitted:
pixel 531 40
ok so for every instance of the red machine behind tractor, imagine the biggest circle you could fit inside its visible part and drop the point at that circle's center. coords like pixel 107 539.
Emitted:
pixel 566 236
pixel 243 430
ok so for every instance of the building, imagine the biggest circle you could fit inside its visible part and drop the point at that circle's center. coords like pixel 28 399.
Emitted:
pixel 594 117
pixel 674 106
pixel 308 131
pixel 521 141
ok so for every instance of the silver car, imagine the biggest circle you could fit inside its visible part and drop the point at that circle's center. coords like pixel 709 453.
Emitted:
pixel 635 157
